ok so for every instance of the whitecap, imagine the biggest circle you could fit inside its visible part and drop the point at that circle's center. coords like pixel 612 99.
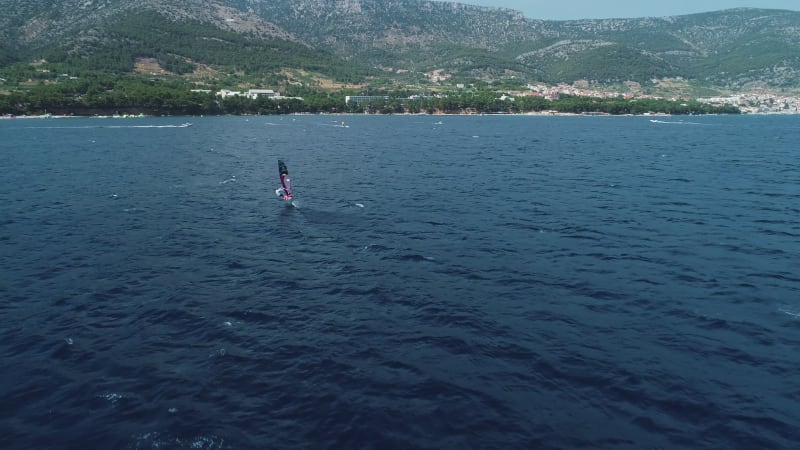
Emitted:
pixel 112 397
pixel 789 311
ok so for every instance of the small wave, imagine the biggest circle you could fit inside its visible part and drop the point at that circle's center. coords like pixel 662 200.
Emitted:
pixel 157 440
pixel 236 265
pixel 111 397
pixel 335 125
pixel 680 122
pixel 86 127
pixel 145 126
pixel 790 311
pixel 413 258
pixel 376 248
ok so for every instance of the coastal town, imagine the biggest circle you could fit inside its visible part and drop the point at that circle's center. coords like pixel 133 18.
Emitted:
pixel 748 101
pixel 760 101
pixel 752 102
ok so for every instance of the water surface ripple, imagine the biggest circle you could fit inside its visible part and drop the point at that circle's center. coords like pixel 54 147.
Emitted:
pixel 453 282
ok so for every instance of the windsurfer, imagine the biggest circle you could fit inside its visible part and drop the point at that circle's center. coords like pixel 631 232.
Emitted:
pixel 285 191
pixel 286 188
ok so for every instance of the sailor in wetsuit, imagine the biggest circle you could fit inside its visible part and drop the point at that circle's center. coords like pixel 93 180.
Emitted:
pixel 286 186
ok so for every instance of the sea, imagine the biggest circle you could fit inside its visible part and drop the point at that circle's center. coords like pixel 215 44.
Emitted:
pixel 439 282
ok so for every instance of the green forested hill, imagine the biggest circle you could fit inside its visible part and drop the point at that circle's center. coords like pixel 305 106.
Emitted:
pixel 730 49
pixel 359 40
pixel 181 46
pixel 56 38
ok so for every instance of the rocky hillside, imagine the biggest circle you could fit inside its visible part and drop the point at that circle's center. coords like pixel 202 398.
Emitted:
pixel 35 22
pixel 185 37
pixel 732 49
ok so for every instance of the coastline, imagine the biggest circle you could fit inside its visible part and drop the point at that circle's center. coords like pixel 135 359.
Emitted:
pixel 530 114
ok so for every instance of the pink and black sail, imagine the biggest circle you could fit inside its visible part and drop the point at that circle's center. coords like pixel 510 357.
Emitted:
pixel 286 183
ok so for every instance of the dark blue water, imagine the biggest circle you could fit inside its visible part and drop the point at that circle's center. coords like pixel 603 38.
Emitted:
pixel 483 282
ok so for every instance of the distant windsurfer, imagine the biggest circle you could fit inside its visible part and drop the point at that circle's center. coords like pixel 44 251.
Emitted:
pixel 285 191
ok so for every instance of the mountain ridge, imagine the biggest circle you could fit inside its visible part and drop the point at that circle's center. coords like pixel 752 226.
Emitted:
pixel 730 49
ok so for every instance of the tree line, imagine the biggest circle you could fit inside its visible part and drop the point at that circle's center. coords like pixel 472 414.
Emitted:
pixel 164 97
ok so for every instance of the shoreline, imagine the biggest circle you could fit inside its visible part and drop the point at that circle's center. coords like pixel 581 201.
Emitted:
pixel 533 113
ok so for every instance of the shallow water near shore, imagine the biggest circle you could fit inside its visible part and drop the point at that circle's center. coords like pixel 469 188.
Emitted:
pixel 443 282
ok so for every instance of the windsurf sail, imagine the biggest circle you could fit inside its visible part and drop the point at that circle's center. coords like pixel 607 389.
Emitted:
pixel 286 182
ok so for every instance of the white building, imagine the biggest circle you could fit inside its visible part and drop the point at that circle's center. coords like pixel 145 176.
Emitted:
pixel 252 93
pixel 224 93
pixel 255 93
